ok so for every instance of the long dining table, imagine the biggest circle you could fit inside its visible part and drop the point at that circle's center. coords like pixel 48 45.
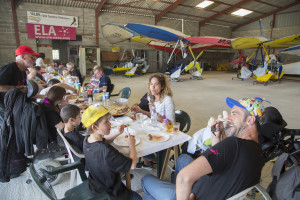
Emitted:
pixel 141 130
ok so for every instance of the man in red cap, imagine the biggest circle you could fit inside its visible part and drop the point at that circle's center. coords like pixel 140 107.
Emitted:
pixel 13 74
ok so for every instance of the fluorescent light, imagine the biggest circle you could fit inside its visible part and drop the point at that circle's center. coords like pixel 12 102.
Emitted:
pixel 204 4
pixel 242 12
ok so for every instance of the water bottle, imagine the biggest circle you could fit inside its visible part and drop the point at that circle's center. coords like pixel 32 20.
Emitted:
pixel 103 95
pixel 153 117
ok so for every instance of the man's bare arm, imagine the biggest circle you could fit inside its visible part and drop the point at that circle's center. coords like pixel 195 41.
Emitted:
pixel 5 88
pixel 66 86
pixel 189 175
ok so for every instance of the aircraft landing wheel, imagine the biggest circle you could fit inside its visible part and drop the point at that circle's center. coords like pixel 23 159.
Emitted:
pixel 265 84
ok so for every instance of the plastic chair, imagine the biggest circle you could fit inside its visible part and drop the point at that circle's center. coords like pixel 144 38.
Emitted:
pixel 184 119
pixel 80 192
pixel 125 93
pixel 70 149
pixel 243 194
pixel 112 89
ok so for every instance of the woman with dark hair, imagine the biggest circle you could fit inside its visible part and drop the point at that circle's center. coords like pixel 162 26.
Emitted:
pixel 160 97
pixel 52 104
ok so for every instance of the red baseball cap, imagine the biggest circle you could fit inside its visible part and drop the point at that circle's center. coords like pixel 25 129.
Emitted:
pixel 25 49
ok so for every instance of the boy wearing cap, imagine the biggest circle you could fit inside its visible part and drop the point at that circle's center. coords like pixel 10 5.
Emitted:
pixel 13 74
pixel 227 168
pixel 104 162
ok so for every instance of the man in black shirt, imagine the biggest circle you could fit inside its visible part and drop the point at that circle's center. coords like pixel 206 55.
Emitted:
pixel 227 168
pixel 13 74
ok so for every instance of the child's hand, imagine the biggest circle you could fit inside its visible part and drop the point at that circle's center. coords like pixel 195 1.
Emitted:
pixel 121 128
pixel 131 140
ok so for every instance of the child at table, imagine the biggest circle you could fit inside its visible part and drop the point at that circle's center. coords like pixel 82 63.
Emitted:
pixel 70 115
pixel 104 162
pixel 51 106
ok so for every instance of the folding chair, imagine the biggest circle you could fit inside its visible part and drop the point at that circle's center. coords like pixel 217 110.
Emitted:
pixel 242 195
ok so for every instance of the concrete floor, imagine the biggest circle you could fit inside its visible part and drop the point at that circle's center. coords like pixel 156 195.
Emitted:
pixel 201 99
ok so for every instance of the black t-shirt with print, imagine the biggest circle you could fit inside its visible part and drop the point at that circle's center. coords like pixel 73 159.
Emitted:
pixel 10 74
pixel 144 103
pixel 236 165
pixel 75 139
pixel 105 164
pixel 53 118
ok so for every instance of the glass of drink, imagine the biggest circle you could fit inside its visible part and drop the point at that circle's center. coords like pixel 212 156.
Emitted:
pixel 139 117
pixel 176 128
pixel 169 127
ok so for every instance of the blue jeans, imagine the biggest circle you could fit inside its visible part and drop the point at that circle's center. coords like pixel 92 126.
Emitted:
pixel 135 196
pixel 156 189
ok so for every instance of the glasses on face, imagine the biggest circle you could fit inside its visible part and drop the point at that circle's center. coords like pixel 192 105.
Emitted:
pixel 32 56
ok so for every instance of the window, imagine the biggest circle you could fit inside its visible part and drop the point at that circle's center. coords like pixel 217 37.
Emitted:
pixel 55 54
pixel 242 12
pixel 204 4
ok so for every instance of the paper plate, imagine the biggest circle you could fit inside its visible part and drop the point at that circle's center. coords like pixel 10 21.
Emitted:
pixel 121 140
pixel 156 137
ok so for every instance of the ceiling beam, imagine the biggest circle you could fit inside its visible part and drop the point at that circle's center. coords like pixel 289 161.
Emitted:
pixel 120 5
pixel 266 15
pixel 97 12
pixel 223 12
pixel 266 3
pixel 162 13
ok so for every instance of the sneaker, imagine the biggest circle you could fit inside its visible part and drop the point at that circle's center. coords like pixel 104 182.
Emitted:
pixel 143 166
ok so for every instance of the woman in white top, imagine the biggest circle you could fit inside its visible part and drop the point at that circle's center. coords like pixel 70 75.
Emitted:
pixel 160 96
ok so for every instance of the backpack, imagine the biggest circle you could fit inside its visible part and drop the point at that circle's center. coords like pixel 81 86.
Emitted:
pixel 286 185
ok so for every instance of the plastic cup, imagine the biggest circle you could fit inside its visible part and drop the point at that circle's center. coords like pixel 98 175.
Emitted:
pixel 176 128
pixel 169 127
pixel 139 117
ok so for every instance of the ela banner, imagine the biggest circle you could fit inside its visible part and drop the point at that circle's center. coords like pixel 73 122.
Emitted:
pixel 40 31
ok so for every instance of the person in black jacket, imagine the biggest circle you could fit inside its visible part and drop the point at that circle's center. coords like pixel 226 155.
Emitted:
pixel 74 72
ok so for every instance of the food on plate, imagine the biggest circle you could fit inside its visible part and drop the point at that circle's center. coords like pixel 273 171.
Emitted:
pixel 72 97
pixel 155 138
pixel 132 117
pixel 118 109
pixel 79 101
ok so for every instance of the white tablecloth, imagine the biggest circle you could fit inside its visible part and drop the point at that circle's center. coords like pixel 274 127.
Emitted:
pixel 141 130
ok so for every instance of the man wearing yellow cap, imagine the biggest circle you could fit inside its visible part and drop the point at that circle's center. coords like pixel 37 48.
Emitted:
pixel 13 74
pixel 227 168
pixel 104 162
